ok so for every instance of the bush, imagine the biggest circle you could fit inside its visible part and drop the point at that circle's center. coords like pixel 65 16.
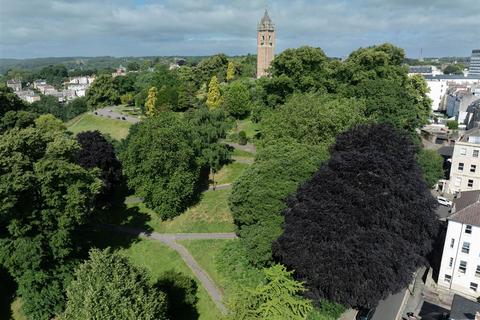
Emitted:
pixel 452 124
pixel 242 138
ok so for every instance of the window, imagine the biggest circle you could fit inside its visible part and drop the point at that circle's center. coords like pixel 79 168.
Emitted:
pixel 447 278
pixel 458 181
pixel 460 166
pixel 470 183
pixel 450 263
pixel 475 153
pixel 468 229
pixel 466 247
pixel 474 286
pixel 463 267
pixel 477 272
pixel 473 168
pixel 463 151
pixel 452 243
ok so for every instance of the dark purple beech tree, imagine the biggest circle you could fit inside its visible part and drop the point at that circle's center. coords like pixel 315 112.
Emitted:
pixel 364 223
pixel 97 152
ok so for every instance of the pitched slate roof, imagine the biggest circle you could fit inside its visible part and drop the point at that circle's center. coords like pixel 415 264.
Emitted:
pixel 468 215
pixel 463 309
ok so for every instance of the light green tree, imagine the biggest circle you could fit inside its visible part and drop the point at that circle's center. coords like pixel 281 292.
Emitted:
pixel 214 98
pixel 432 166
pixel 230 71
pixel 278 298
pixel 151 102
pixel 108 286
pixel 237 100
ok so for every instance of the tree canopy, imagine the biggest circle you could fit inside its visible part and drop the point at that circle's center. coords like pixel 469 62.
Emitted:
pixel 359 228
pixel 108 286
pixel 237 100
pixel 432 166
pixel 160 163
pixel 258 196
pixel 312 118
pixel 46 198
pixel 96 152
pixel 165 155
pixel 278 298
pixel 102 92
pixel 9 101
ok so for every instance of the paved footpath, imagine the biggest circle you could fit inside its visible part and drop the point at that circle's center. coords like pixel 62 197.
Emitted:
pixel 170 239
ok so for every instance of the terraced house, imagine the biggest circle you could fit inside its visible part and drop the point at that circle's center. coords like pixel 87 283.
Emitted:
pixel 460 268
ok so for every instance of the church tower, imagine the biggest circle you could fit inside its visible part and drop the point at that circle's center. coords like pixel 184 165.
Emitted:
pixel 265 44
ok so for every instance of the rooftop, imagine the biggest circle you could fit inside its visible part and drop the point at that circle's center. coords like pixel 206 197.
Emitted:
pixel 469 213
pixel 463 309
pixel 452 77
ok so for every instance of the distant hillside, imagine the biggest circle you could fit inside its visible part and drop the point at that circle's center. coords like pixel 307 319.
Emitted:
pixel 79 62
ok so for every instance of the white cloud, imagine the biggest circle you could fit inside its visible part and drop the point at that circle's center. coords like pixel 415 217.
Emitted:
pixel 191 27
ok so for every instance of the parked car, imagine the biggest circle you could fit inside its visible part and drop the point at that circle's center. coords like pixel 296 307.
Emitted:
pixel 444 201
pixel 110 110
pixel 123 118
pixel 96 112
pixel 365 314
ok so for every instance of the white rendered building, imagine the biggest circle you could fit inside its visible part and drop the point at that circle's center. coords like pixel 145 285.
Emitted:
pixel 460 268
pixel 465 170
pixel 438 86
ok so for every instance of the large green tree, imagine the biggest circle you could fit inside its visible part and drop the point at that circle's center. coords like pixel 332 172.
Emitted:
pixel 102 92
pixel 432 166
pixel 377 74
pixel 160 163
pixel 46 197
pixel 108 286
pixel 9 101
pixel 312 118
pixel 237 99
pixel 303 69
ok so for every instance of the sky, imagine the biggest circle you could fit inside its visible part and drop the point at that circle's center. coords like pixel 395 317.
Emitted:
pixel 60 28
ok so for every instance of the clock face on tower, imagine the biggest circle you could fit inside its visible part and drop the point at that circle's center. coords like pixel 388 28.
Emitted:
pixel 265 44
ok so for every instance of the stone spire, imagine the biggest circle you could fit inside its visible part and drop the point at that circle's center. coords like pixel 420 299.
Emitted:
pixel 266 23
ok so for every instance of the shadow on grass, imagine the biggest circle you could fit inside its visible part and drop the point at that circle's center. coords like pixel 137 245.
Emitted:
pixel 181 292
pixel 102 232
pixel 7 294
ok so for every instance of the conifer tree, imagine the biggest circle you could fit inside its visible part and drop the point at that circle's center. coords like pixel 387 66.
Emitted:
pixel 230 71
pixel 214 98
pixel 151 102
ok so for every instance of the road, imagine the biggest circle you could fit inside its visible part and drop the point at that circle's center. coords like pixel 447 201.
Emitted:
pixel 390 308
pixel 170 239
pixel 105 112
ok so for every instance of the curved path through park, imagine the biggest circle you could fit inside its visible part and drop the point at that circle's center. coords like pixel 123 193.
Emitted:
pixel 170 239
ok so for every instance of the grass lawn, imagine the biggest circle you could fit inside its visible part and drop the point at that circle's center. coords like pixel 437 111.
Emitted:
pixel 211 214
pixel 229 173
pixel 248 126
pixel 117 129
pixel 206 252
pixel 237 153
pixel 157 259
